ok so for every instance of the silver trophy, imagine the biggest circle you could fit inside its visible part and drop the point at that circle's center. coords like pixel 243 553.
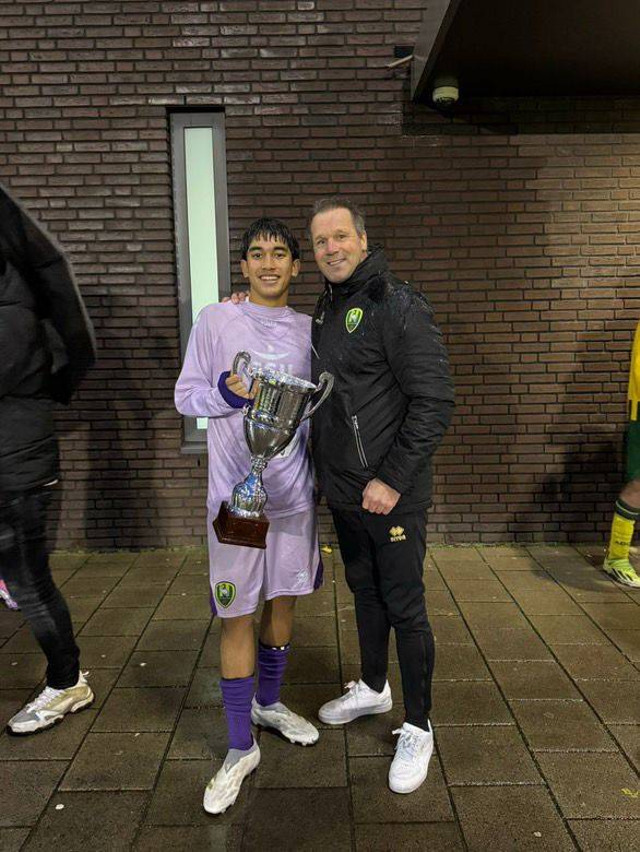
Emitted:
pixel 281 403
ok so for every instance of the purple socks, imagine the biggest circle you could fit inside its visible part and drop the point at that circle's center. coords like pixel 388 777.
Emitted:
pixel 271 665
pixel 237 693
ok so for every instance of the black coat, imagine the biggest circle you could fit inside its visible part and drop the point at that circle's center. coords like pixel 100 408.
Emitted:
pixel 392 398
pixel 46 346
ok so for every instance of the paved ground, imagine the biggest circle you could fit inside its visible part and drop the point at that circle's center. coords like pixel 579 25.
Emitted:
pixel 537 698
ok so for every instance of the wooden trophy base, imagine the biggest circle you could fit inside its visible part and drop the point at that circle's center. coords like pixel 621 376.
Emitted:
pixel 244 532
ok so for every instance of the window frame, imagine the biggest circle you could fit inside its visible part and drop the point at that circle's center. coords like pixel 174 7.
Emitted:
pixel 195 438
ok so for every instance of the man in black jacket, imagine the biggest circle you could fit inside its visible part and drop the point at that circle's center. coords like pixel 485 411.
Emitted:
pixel 373 441
pixel 46 346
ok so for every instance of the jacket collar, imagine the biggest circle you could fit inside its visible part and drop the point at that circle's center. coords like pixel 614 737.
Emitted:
pixel 375 263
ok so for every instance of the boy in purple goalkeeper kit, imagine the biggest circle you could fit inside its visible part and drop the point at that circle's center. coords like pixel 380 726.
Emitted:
pixel 277 337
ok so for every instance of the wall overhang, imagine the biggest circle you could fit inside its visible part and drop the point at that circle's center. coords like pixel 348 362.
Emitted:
pixel 498 48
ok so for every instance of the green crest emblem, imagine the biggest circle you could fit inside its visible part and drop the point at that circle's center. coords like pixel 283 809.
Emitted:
pixel 352 319
pixel 225 594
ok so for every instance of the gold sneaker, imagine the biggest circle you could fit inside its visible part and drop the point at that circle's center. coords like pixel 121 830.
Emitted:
pixel 51 706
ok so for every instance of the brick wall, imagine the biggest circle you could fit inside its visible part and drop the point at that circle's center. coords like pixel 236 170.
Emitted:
pixel 519 221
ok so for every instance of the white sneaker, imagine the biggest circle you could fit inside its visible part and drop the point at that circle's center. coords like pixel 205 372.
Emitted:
pixel 222 791
pixel 51 706
pixel 410 765
pixel 359 700
pixel 289 724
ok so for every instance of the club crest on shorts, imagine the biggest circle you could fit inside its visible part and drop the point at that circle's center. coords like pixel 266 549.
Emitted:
pixel 225 594
pixel 352 319
pixel 397 534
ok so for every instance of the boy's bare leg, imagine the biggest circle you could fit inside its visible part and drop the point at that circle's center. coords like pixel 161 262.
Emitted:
pixel 276 624
pixel 237 647
pixel 631 493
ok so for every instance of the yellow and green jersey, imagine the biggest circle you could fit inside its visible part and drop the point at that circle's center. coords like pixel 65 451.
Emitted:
pixel 634 377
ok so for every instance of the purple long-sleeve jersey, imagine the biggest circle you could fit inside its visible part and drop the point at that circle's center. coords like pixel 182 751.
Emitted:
pixel 279 338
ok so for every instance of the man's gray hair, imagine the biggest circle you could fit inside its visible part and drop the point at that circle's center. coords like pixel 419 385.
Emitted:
pixel 338 202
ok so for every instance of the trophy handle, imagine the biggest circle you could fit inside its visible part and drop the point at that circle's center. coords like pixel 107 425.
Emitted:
pixel 325 384
pixel 241 358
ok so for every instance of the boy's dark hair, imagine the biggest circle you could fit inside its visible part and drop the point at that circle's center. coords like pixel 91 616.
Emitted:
pixel 338 202
pixel 272 229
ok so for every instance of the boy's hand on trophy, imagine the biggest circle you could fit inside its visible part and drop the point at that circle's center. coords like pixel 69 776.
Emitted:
pixel 237 386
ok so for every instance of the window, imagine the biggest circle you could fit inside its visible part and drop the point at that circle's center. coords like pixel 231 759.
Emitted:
pixel 201 228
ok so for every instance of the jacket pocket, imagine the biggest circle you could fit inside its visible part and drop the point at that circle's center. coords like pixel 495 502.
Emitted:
pixel 359 444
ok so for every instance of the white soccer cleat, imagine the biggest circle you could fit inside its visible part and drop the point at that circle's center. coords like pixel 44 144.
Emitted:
pixel 410 764
pixel 51 706
pixel 222 791
pixel 292 727
pixel 358 700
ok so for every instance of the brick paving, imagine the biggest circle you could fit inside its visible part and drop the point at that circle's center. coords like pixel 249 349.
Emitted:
pixel 536 706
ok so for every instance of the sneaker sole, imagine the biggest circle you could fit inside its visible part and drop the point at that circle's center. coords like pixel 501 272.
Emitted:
pixel 408 790
pixel 356 714
pixel 81 705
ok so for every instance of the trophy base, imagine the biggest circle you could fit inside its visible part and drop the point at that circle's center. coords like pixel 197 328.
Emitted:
pixel 243 532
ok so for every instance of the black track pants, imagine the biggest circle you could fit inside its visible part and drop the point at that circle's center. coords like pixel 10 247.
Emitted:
pixel 24 566
pixel 383 557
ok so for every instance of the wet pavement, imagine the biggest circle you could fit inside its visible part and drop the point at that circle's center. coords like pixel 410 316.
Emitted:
pixel 536 711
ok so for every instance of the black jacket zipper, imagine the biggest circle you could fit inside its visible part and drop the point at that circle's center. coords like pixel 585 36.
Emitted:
pixel 356 431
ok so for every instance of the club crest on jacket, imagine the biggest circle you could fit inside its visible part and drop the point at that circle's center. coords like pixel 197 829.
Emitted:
pixel 352 319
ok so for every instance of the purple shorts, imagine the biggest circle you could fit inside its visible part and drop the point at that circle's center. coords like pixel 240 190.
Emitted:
pixel 243 576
